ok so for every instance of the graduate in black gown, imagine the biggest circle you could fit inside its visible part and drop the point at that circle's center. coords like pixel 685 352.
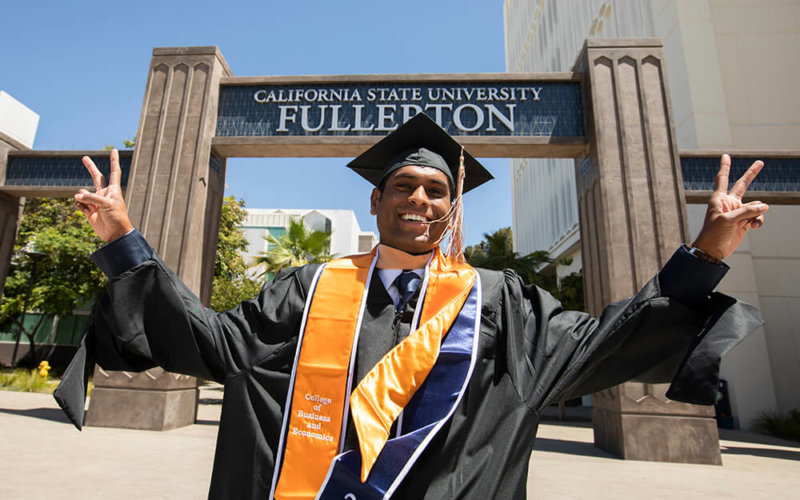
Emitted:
pixel 530 352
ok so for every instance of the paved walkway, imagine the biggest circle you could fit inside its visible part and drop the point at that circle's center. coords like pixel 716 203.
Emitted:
pixel 46 458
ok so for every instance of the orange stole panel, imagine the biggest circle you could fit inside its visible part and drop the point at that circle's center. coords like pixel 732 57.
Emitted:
pixel 320 387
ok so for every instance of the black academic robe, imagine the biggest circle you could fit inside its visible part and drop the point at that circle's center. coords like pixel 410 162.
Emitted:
pixel 531 354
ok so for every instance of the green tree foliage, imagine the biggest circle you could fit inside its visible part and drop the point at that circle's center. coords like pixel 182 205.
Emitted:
pixel 65 278
pixel 128 143
pixel 496 251
pixel 231 283
pixel 570 292
pixel 298 247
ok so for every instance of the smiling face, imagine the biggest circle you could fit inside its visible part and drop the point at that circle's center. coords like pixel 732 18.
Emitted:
pixel 412 197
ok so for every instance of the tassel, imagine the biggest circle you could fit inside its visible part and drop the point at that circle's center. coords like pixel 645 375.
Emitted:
pixel 454 232
pixel 455 247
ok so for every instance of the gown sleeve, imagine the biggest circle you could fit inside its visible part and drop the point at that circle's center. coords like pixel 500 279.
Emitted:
pixel 148 318
pixel 674 330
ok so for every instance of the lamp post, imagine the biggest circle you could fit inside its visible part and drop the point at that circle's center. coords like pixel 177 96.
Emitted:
pixel 35 257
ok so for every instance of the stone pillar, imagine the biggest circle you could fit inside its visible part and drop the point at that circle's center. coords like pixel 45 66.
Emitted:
pixel 174 196
pixel 9 221
pixel 632 218
pixel 10 210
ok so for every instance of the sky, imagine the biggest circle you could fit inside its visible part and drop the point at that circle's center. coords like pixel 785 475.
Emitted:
pixel 82 66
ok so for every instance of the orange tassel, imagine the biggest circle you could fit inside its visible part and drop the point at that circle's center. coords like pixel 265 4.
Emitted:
pixel 455 247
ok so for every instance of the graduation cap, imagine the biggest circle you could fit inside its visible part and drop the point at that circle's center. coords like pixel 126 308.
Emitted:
pixel 419 141
pixel 422 142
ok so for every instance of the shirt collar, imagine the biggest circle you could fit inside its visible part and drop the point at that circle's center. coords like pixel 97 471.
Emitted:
pixel 392 262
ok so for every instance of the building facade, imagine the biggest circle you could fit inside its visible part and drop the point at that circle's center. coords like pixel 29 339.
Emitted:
pixel 18 123
pixel 730 75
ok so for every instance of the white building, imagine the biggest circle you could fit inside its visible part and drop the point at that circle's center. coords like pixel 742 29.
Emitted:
pixel 732 72
pixel 346 236
pixel 17 122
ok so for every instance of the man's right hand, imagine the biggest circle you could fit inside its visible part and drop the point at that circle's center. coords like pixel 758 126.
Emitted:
pixel 105 209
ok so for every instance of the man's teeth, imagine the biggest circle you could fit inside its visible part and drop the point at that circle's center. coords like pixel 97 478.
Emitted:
pixel 414 217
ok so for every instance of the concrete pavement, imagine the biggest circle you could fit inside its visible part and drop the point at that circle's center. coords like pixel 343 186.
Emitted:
pixel 44 457
pixel 565 464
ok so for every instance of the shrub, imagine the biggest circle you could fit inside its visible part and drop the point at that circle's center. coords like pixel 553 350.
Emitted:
pixel 784 426
pixel 26 381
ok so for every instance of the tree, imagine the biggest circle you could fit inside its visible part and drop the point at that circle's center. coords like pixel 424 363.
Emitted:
pixel 231 283
pixel 496 251
pixel 299 246
pixel 65 278
pixel 128 143
pixel 570 292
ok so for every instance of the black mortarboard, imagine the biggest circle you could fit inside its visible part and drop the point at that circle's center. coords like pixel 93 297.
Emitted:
pixel 419 141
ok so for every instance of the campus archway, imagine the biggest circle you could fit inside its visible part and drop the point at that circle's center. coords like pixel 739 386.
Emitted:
pixel 612 115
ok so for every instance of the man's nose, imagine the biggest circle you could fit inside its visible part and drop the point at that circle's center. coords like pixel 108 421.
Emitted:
pixel 419 196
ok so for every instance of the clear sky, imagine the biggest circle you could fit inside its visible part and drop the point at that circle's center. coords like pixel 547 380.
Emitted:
pixel 82 66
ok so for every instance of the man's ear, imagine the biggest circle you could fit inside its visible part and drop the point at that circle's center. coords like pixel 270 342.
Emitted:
pixel 373 201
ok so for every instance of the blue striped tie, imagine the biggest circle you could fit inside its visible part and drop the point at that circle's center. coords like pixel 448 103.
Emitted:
pixel 407 284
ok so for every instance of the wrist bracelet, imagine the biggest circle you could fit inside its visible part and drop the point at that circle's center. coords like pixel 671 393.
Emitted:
pixel 701 254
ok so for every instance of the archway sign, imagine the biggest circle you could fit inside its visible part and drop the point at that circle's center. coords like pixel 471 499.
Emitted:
pixel 612 114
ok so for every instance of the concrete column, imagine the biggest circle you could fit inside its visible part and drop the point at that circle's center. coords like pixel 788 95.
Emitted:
pixel 632 218
pixel 9 221
pixel 9 210
pixel 174 197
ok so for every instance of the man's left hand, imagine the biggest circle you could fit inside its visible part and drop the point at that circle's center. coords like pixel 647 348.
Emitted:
pixel 727 218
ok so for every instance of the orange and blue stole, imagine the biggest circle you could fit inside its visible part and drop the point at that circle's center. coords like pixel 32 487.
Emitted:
pixel 418 384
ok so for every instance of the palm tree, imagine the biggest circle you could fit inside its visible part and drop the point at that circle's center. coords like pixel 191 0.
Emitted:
pixel 299 246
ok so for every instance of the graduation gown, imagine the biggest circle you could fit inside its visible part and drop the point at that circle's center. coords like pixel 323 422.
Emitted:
pixel 531 354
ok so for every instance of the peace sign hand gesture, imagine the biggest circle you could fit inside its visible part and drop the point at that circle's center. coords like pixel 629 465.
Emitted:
pixel 105 209
pixel 727 218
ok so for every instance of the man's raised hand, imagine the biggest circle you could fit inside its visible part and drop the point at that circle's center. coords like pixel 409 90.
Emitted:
pixel 727 218
pixel 105 209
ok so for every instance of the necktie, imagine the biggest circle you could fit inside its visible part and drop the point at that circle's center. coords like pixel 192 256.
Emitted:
pixel 407 283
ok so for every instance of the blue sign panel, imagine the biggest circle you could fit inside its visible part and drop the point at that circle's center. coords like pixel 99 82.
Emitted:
pixel 532 109
pixel 61 171
pixel 779 174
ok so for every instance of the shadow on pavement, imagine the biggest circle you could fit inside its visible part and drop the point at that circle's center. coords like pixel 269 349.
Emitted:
pixel 753 437
pixel 570 448
pixel 215 423
pixel 586 424
pixel 761 452
pixel 52 414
